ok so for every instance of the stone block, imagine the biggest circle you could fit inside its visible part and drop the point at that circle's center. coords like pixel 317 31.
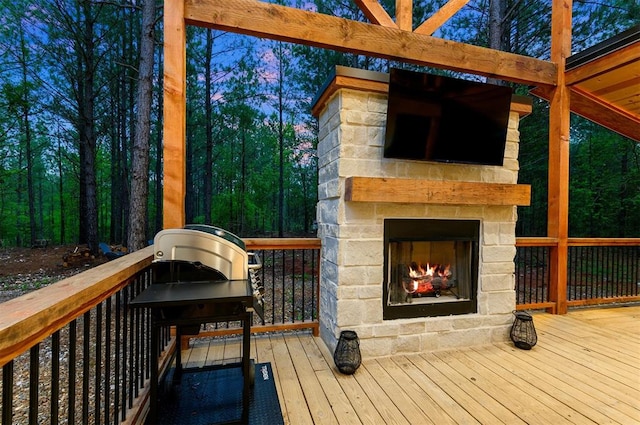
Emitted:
pixel 371 292
pixel 497 282
pixel 497 254
pixel 497 302
pixel 346 292
pixel 377 347
pixel 360 229
pixel 460 172
pixel 490 233
pixel 505 267
pixel 508 233
pixel 465 338
pixel 375 138
pixel 412 327
pixel 387 329
pixel 377 104
pixel 408 344
pixel 354 100
pixel 358 212
pixel 361 252
pixel 500 213
pixel 349 313
pixel 511 149
pixel 438 324
pixel 430 342
pixel 353 136
pixel 358 275
pixel 372 311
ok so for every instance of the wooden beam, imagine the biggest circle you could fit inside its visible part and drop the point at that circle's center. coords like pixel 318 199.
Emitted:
pixel 601 113
pixel 417 191
pixel 559 124
pixel 627 55
pixel 174 120
pixel 605 114
pixel 438 19
pixel 375 13
pixel 299 26
pixel 404 14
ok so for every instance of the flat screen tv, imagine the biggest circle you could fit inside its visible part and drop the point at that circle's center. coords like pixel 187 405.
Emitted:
pixel 444 119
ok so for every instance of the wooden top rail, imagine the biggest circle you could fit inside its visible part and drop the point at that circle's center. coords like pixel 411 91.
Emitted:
pixel 31 318
pixel 604 242
pixel 536 242
pixel 282 243
pixel 543 241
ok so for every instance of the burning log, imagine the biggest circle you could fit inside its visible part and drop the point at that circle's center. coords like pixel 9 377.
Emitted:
pixel 427 279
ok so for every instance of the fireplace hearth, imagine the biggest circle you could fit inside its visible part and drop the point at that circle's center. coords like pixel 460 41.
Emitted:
pixel 430 267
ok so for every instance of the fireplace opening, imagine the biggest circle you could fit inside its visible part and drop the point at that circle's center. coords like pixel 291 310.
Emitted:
pixel 430 267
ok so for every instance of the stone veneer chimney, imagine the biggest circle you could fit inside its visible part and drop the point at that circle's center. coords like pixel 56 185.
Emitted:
pixel 352 116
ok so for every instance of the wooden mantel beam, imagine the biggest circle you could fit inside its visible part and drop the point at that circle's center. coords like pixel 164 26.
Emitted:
pixel 418 191
pixel 289 24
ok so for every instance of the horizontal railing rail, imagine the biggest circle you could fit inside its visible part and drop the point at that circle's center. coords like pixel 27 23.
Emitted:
pixel 599 271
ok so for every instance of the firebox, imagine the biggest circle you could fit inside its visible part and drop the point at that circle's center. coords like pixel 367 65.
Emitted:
pixel 430 267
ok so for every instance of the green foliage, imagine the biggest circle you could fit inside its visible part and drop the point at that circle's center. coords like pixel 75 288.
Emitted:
pixel 261 178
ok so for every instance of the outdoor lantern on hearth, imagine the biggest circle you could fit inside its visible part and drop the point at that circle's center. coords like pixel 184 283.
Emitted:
pixel 347 355
pixel 523 333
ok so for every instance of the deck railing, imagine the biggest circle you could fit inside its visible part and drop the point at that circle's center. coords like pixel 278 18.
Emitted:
pixel 599 271
pixel 74 352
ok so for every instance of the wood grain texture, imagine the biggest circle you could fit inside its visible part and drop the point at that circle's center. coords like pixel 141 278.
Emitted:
pixel 584 370
pixel 414 191
pixel 299 26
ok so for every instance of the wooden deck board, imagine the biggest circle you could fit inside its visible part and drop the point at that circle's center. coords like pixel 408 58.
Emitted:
pixel 585 369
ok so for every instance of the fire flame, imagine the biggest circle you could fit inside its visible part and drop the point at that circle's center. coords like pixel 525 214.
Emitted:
pixel 421 271
pixel 426 278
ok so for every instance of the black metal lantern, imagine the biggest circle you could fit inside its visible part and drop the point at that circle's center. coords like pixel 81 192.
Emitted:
pixel 523 333
pixel 347 354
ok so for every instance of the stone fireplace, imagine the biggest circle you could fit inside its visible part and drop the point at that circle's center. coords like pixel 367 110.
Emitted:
pixel 416 256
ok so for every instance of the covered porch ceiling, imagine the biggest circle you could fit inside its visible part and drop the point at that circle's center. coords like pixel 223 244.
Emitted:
pixel 604 83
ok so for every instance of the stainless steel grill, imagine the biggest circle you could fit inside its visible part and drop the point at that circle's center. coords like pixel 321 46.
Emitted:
pixel 201 274
pixel 208 255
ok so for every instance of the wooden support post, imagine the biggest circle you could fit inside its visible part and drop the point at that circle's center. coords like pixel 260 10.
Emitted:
pixel 174 120
pixel 559 115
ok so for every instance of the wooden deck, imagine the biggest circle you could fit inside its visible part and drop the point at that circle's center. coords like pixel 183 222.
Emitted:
pixel 585 369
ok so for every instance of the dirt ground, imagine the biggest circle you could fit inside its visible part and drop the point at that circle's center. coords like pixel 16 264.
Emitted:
pixel 24 270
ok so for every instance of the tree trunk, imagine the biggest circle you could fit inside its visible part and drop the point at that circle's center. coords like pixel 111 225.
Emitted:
pixel 26 122
pixel 496 30
pixel 208 172
pixel 158 163
pixel 88 202
pixel 140 161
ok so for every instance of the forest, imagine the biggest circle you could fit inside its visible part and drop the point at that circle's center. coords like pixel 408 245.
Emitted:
pixel 81 121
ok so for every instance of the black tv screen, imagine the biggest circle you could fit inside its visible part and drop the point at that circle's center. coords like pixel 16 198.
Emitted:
pixel 444 119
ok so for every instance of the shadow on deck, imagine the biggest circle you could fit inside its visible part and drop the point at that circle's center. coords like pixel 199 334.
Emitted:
pixel 585 369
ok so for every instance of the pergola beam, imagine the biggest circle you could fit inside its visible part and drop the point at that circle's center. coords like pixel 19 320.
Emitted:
pixel 299 26
pixel 441 16
pixel 375 13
